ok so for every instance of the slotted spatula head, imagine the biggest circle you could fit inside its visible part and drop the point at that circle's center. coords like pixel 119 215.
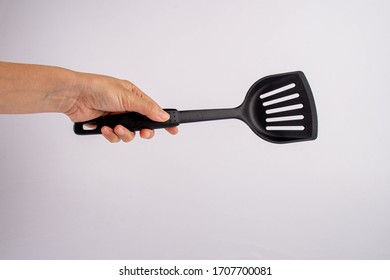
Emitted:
pixel 280 108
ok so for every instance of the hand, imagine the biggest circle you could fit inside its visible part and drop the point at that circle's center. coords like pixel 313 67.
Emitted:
pixel 28 88
pixel 101 95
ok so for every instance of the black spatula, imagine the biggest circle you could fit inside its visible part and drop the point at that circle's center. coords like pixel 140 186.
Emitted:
pixel 278 108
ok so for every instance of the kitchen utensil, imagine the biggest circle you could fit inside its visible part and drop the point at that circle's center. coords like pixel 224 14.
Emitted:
pixel 278 108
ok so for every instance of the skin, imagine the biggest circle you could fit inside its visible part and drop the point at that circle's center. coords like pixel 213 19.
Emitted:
pixel 27 88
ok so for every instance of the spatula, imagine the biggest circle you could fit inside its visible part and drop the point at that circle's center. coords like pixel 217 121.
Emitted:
pixel 278 108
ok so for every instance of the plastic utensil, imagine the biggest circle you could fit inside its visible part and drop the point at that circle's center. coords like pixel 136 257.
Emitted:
pixel 278 108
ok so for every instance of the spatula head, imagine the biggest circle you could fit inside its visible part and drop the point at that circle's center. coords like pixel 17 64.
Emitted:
pixel 280 108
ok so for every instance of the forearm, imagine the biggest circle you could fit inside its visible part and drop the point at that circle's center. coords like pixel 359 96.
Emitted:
pixel 28 88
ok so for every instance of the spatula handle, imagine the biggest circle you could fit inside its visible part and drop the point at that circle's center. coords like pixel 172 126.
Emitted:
pixel 132 121
pixel 135 122
pixel 209 115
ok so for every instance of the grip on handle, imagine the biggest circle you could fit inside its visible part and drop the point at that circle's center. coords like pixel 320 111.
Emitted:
pixel 132 121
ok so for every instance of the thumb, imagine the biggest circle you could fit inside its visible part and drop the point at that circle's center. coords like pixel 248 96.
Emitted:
pixel 140 102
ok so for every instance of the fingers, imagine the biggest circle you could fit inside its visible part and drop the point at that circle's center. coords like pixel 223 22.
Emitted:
pixel 120 133
pixel 138 101
pixel 146 133
pixel 172 130
pixel 149 133
pixel 117 134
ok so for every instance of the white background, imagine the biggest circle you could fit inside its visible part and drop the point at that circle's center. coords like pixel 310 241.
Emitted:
pixel 216 190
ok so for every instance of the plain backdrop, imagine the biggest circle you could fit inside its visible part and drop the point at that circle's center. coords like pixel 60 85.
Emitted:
pixel 216 190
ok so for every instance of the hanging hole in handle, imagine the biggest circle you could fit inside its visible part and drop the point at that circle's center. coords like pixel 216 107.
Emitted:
pixel 90 126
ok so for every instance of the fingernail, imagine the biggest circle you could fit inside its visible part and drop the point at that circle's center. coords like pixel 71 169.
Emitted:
pixel 164 116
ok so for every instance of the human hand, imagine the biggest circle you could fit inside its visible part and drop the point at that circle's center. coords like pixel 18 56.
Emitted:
pixel 101 95
pixel 28 88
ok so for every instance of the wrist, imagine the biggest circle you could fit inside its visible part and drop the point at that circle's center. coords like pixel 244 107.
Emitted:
pixel 67 88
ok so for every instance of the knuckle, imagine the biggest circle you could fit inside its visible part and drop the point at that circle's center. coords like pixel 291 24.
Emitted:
pixel 127 84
